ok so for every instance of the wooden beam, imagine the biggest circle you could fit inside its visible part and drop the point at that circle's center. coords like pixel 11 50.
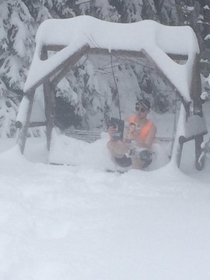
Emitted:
pixel 70 61
pixel 24 129
pixel 103 51
pixel 55 48
pixel 37 124
pixel 178 57
pixel 60 75
pixel 98 51
pixel 195 92
pixel 164 77
pixel 198 150
pixel 19 124
pixel 195 87
pixel 57 78
pixel 48 102
pixel 95 51
pixel 49 111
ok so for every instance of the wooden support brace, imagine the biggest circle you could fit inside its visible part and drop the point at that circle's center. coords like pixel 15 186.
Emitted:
pixel 49 113
pixel 37 124
pixel 179 152
pixel 49 110
pixel 164 77
pixel 198 150
pixel 195 88
pixel 24 129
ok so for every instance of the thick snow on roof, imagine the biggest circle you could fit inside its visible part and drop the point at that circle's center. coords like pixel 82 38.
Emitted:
pixel 154 38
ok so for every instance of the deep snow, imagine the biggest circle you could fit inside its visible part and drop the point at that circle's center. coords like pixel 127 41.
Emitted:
pixel 79 222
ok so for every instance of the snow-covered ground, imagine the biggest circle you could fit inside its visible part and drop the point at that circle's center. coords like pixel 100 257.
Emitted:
pixel 82 223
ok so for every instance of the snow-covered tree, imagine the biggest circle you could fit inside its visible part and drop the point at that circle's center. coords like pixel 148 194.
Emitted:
pixel 97 87
pixel 101 9
pixel 16 36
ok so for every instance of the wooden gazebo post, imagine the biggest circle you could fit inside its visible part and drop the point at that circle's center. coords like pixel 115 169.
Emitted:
pixel 49 102
pixel 194 124
pixel 49 110
pixel 24 127
pixel 197 108
pixel 49 97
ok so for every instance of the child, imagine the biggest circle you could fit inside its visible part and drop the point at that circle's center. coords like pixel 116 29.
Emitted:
pixel 131 133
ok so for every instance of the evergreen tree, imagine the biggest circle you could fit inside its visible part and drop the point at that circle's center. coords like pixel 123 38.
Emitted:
pixel 16 36
pixel 89 102
pixel 204 22
pixel 101 9
pixel 197 14
pixel 96 87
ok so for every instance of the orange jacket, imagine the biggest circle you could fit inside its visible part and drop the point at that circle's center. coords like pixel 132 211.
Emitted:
pixel 145 129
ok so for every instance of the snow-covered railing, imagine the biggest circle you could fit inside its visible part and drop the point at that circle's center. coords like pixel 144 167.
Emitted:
pixel 84 135
pixel 91 136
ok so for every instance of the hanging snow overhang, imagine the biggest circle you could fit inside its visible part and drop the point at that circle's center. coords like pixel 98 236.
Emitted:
pixel 72 38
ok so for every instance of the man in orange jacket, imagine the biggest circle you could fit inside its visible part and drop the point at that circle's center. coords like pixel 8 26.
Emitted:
pixel 137 154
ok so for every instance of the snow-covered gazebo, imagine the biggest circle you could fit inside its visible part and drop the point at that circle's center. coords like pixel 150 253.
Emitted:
pixel 161 45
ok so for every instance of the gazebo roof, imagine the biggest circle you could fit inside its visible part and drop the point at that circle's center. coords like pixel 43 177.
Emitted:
pixel 73 37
